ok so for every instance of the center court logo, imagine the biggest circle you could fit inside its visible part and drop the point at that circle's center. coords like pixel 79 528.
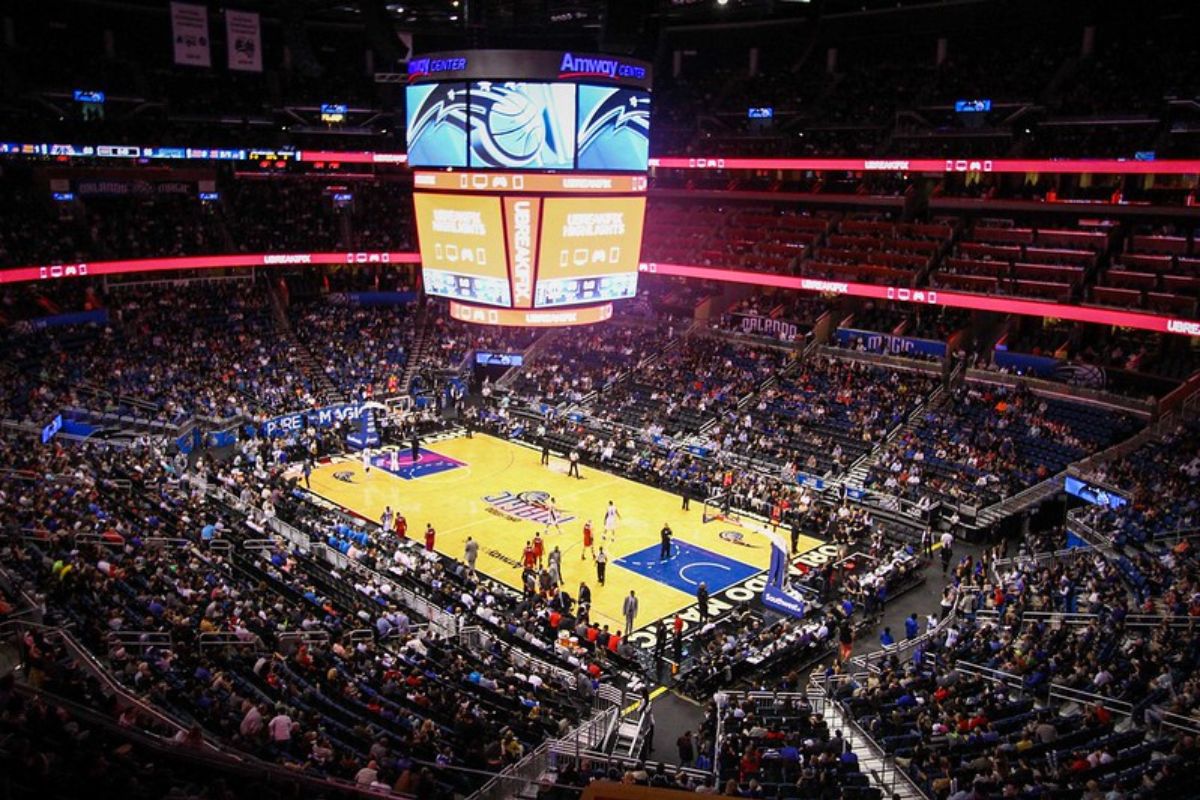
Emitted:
pixel 527 506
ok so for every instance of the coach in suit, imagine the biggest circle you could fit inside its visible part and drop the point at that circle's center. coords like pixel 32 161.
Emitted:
pixel 630 608
pixel 470 553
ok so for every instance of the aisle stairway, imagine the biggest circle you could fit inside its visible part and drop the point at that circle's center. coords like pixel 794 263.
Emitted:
pixel 324 389
pixel 421 342
pixel 878 767
pixel 857 475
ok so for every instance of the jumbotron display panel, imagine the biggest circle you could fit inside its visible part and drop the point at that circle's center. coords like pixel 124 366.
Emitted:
pixel 530 181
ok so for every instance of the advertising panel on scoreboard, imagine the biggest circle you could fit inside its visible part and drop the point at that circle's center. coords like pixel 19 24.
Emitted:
pixel 589 249
pixel 613 130
pixel 520 125
pixel 437 124
pixel 462 247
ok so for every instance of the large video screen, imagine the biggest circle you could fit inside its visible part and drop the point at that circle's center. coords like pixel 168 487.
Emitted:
pixel 516 125
pixel 437 124
pixel 613 128
pixel 589 249
pixel 462 247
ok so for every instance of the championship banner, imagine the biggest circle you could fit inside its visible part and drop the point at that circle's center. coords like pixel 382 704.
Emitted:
pixel 189 28
pixel 243 38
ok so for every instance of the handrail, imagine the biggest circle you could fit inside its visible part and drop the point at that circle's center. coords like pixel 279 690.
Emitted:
pixel 138 641
pixel 1084 618
pixel 988 673
pixel 870 661
pixel 92 665
pixel 165 541
pixel 259 544
pixel 1071 694
pixel 1049 555
pixel 236 762
pixel 231 639
pixel 320 637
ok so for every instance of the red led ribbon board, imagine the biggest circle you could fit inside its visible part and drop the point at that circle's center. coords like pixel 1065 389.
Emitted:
pixel 905 294
pixel 134 265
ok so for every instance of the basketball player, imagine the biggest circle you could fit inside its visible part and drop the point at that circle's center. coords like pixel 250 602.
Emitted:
pixel 400 526
pixel 552 517
pixel 611 515
pixel 527 557
pixel 366 458
pixel 539 548
pixel 395 461
pixel 588 541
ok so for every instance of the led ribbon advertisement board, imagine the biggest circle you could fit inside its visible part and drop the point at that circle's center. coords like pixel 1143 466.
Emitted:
pixel 939 297
pixel 135 265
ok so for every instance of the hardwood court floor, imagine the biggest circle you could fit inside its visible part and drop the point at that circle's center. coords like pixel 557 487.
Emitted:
pixel 492 490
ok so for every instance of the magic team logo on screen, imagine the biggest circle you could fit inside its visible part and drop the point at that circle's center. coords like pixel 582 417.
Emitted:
pixel 613 130
pixel 527 506
pixel 437 124
pixel 516 125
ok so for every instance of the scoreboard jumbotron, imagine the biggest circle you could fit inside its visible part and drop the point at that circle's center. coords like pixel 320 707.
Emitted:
pixel 529 184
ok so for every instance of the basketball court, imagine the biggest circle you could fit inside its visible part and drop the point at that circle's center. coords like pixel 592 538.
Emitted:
pixel 497 492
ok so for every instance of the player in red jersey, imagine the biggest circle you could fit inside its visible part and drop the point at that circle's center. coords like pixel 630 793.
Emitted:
pixel 400 526
pixel 539 548
pixel 528 559
pixel 588 541
pixel 430 534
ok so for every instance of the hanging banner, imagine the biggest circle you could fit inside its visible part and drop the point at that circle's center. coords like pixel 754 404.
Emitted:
pixel 189 27
pixel 243 38
pixel 756 325
pixel 875 342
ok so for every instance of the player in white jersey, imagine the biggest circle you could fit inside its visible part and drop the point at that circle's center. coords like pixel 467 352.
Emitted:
pixel 366 456
pixel 553 517
pixel 611 515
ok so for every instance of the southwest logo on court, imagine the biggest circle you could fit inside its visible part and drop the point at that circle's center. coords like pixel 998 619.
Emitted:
pixel 527 506
pixel 735 537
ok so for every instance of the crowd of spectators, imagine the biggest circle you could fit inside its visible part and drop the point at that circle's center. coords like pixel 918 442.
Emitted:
pixel 1157 480
pixel 362 350
pixel 990 442
pixel 321 668
pixel 689 386
pixel 207 349
pixel 825 414
pixel 583 360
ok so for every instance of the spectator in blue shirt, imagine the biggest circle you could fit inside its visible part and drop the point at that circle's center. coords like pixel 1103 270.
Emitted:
pixel 911 626
pixel 886 639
